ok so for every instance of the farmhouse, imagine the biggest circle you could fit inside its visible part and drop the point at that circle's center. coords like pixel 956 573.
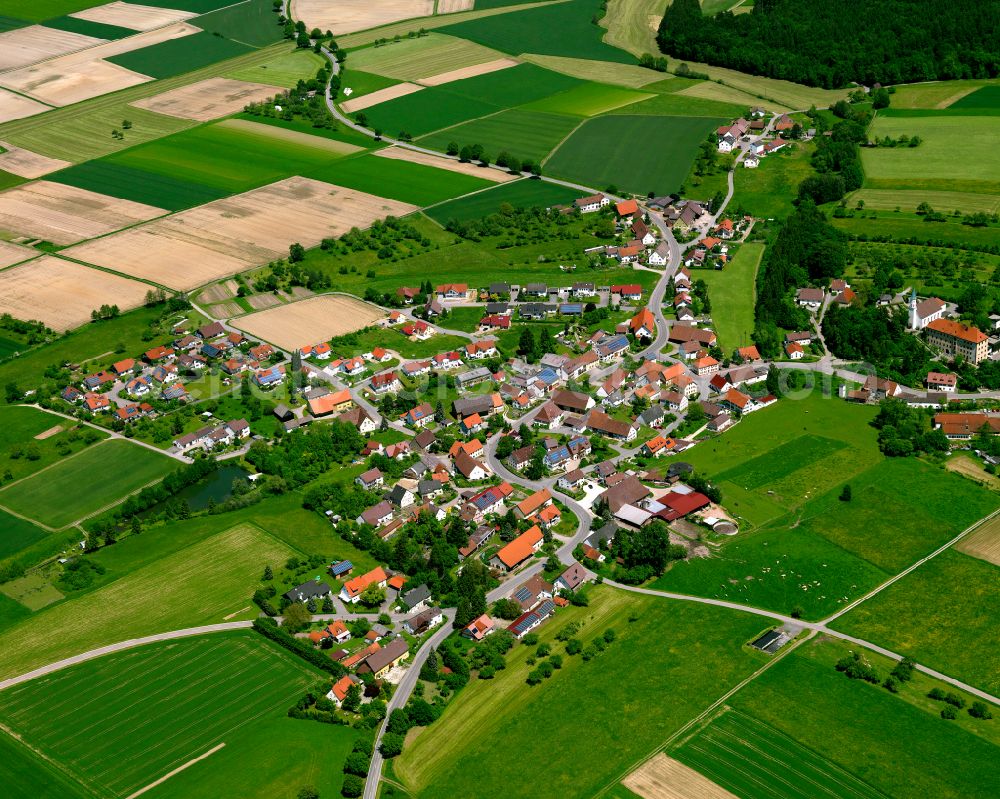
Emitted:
pixel 377 515
pixel 307 591
pixel 452 291
pixel 530 506
pixel 519 550
pixel 963 426
pixel 379 663
pixel 600 422
pixel 939 381
pixel 810 298
pixel 643 325
pixel 572 401
pixel 955 339
pixel 354 588
pixel 591 203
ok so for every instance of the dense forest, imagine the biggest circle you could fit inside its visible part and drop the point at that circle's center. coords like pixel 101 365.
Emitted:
pixel 836 42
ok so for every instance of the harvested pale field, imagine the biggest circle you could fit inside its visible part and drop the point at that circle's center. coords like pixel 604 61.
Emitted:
pixel 261 301
pixel 27 164
pixel 601 71
pixel 729 94
pixel 469 72
pixel 62 83
pixel 663 777
pixel 310 321
pixel 11 254
pixel 381 96
pixel 224 310
pixel 14 106
pixel 294 136
pixel 451 6
pixel 410 59
pixel 984 543
pixel 65 214
pixel 24 46
pixel 347 16
pixel 136 17
pixel 234 234
pixel 220 291
pixel 440 162
pixel 62 294
pixel 207 99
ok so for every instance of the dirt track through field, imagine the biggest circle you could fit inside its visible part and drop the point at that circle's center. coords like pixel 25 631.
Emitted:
pixel 27 164
pixel 136 17
pixel 310 321
pixel 380 96
pixel 984 543
pixel 65 214
pixel 14 106
pixel 663 777
pixel 62 294
pixel 415 157
pixel 207 99
pixel 228 236
pixel 468 72
pixel 347 16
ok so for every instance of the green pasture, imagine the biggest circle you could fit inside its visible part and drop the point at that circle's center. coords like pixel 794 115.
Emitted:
pixel 106 176
pixel 108 471
pixel 21 454
pixel 896 743
pixel 913 229
pixel 284 70
pixel 562 29
pixel 935 94
pixel 909 200
pixel 986 97
pixel 99 30
pixel 785 768
pixel 420 57
pixel 200 584
pixel 525 134
pixel 710 90
pixel 628 24
pixel 732 291
pixel 400 180
pixel 671 103
pixel 769 189
pixel 525 193
pixel 617 150
pixel 39 10
pixel 252 23
pixel 196 694
pixel 513 86
pixel 588 99
pixel 177 56
pixel 17 534
pixel 9 180
pixel 362 83
pixel 425 111
pixel 943 614
pixel 955 150
pixel 26 775
pixel 628 75
pixel 492 723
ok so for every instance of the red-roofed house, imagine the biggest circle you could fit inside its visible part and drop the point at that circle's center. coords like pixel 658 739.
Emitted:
pixel 519 550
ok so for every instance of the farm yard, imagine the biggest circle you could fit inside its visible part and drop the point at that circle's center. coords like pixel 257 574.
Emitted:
pixel 310 321
pixel 232 235
pixel 198 693
pixel 63 294
pixel 49 499
pixel 201 584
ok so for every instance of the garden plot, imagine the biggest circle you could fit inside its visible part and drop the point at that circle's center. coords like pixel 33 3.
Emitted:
pixel 82 75
pixel 11 254
pixel 136 17
pixel 308 321
pixel 27 164
pixel 415 157
pixel 24 46
pixel 62 294
pixel 14 106
pixel 380 96
pixel 347 16
pixel 663 777
pixel 232 235
pixel 65 214
pixel 468 72
pixel 207 99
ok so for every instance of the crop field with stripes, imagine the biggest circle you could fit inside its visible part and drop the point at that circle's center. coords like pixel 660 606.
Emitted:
pixel 120 722
pixel 753 760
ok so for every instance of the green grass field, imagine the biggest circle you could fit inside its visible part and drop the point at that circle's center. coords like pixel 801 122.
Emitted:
pixel 513 86
pixel 284 70
pixel 908 200
pixel 768 190
pixel 588 99
pixel 615 150
pixel 935 94
pixel 38 10
pixel 671 103
pixel 425 111
pixel 400 180
pixel 532 31
pixel 21 454
pixel 733 292
pixel 167 191
pixel 200 584
pixel 526 134
pixel 628 24
pixel 177 56
pixel 25 775
pixel 493 723
pixel 986 97
pixel 955 152
pixel 751 758
pixel 628 75
pixel 942 614
pixel 361 83
pixel 99 30
pixel 109 471
pixel 17 535
pixel 912 229
pixel 120 722
pixel 519 193
pixel 252 23
pixel 897 744
pixel 422 57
